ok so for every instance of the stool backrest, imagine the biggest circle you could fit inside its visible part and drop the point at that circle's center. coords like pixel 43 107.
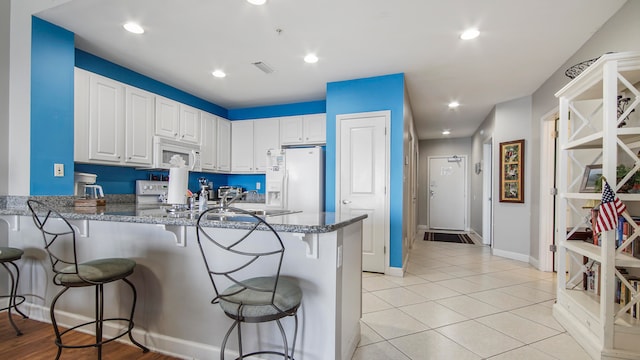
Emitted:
pixel 58 236
pixel 231 256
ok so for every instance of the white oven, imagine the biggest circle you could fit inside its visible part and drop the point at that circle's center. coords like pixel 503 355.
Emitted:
pixel 164 149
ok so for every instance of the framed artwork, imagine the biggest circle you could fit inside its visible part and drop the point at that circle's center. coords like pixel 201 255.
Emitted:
pixel 592 173
pixel 512 171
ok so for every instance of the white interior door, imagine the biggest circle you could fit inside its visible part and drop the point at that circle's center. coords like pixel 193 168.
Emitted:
pixel 447 193
pixel 362 179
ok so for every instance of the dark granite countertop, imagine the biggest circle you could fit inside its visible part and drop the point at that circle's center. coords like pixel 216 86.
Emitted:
pixel 298 222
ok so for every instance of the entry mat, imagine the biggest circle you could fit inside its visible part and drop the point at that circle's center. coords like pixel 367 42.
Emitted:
pixel 455 238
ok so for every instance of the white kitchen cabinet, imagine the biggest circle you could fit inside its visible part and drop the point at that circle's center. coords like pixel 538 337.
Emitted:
pixel 167 117
pixel 209 137
pixel 266 135
pixel 189 124
pixel 106 115
pixel 291 130
pixel 113 122
pixel 314 128
pixel 224 145
pixel 177 121
pixel 139 118
pixel 242 146
pixel 303 130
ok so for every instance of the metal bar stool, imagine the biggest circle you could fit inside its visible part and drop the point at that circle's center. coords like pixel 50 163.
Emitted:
pixel 245 274
pixel 7 257
pixel 60 243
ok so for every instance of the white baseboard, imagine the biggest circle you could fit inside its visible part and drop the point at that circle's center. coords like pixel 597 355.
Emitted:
pixel 159 343
pixel 510 255
pixel 395 271
pixel 535 263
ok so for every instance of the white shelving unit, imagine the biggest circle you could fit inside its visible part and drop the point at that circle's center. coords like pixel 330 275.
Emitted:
pixel 589 134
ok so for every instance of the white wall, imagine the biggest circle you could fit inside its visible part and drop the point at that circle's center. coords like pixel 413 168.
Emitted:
pixel 5 30
pixel 512 221
pixel 619 33
pixel 483 134
pixel 443 147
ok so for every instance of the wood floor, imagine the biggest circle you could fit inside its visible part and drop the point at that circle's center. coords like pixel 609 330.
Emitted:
pixel 37 342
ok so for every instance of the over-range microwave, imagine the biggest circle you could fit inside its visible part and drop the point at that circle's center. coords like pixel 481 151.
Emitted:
pixel 164 149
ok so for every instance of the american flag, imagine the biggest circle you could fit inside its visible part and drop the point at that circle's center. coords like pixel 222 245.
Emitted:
pixel 610 208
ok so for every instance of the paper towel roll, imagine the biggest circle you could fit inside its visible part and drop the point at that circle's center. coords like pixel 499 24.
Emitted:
pixel 178 183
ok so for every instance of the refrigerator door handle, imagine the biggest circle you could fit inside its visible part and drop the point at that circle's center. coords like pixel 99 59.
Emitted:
pixel 285 190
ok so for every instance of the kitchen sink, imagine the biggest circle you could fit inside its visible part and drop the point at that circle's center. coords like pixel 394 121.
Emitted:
pixel 220 214
pixel 257 212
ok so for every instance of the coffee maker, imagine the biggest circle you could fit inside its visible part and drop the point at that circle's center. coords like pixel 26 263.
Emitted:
pixel 85 184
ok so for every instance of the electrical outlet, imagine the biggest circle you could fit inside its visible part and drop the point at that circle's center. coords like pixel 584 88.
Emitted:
pixel 58 170
pixel 258 186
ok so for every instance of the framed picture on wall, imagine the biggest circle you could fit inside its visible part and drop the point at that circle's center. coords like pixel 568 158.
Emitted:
pixel 512 171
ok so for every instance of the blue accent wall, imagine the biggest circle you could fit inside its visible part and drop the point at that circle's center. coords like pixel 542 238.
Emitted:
pixel 302 108
pixel 121 180
pixel 52 58
pixel 366 95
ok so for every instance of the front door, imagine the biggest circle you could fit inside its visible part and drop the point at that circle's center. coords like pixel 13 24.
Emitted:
pixel 447 193
pixel 362 156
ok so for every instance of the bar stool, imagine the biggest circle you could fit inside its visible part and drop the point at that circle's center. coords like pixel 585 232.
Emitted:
pixel 60 243
pixel 245 274
pixel 7 257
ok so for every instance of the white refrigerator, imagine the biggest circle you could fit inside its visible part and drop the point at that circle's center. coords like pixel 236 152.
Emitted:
pixel 295 179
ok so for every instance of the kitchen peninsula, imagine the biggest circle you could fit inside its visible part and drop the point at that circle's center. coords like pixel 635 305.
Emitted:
pixel 174 314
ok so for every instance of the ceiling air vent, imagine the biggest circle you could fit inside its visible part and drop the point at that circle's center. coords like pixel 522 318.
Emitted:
pixel 264 67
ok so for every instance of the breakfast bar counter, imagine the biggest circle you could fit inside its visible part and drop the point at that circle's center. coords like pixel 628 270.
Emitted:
pixel 174 314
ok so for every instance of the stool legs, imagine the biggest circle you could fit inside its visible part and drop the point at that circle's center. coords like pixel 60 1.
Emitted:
pixel 13 304
pixel 285 354
pixel 99 322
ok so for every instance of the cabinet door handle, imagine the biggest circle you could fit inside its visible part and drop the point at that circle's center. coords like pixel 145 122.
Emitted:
pixel 346 202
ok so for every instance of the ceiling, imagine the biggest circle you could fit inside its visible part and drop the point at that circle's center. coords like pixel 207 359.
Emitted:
pixel 521 44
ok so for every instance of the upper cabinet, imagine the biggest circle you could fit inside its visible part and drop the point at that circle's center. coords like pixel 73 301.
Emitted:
pixel 303 130
pixel 250 140
pixel 177 121
pixel 242 146
pixel 223 146
pixel 139 116
pixel 266 135
pixel 208 149
pixel 113 121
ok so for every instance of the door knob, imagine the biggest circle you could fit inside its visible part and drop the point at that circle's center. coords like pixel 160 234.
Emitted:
pixel 346 202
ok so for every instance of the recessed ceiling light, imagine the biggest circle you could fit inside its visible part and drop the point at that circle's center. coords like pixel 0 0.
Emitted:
pixel 257 2
pixel 446 132
pixel 311 59
pixel 453 104
pixel 470 34
pixel 218 73
pixel 133 28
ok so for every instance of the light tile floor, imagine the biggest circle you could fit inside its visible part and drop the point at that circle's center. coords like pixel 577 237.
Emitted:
pixel 457 301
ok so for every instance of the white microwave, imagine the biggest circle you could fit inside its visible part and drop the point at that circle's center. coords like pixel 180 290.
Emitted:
pixel 165 149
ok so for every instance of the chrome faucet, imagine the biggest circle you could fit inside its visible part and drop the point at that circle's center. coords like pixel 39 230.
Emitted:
pixel 224 202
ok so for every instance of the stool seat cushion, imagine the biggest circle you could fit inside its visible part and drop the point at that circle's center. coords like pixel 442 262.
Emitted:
pixel 96 271
pixel 255 306
pixel 10 254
